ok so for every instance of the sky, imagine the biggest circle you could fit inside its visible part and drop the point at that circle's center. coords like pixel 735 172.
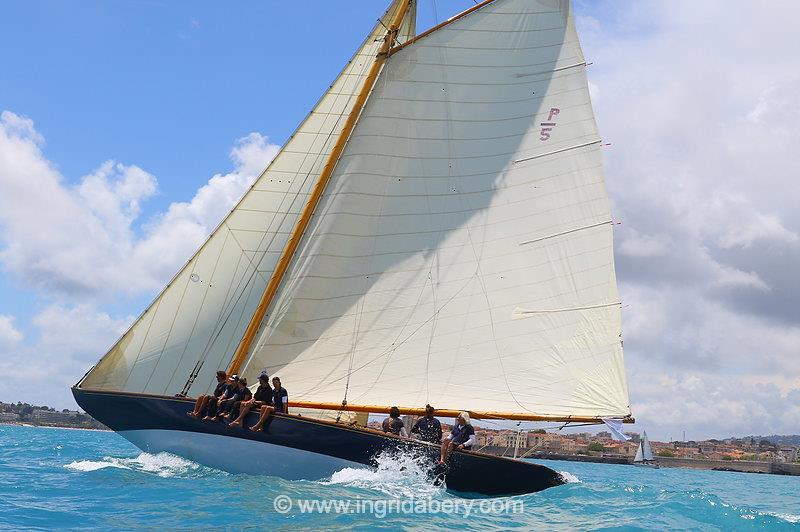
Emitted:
pixel 128 129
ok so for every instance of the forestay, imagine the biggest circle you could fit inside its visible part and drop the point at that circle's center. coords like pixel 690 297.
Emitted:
pixel 201 315
pixel 462 254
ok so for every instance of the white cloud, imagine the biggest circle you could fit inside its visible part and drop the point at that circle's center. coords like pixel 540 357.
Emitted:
pixel 9 335
pixel 70 339
pixel 705 122
pixel 78 247
pixel 79 241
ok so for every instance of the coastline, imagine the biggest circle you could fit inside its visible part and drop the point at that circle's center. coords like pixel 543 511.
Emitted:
pixel 64 427
pixel 738 466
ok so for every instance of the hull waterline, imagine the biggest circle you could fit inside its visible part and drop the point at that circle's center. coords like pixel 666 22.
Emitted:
pixel 293 447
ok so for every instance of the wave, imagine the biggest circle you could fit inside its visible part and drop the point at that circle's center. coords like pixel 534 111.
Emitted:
pixel 162 464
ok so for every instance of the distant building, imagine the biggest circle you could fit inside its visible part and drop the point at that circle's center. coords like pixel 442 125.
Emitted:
pixel 47 416
pixel 8 416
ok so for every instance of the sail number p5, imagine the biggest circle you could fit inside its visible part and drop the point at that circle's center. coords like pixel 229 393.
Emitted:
pixel 548 126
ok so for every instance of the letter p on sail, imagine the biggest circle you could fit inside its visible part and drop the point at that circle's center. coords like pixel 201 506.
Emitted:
pixel 553 112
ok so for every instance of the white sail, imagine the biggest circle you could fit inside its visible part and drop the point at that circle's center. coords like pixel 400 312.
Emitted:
pixel 462 254
pixel 201 315
pixel 647 451
pixel 639 455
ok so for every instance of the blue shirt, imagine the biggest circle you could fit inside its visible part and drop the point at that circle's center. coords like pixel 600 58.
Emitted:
pixel 277 399
pixel 462 433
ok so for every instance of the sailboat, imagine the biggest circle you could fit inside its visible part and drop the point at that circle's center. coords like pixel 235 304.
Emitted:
pixel 644 454
pixel 437 230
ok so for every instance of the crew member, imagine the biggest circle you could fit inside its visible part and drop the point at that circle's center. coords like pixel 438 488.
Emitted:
pixel 461 437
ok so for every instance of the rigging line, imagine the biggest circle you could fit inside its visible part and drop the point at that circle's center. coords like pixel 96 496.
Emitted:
pixel 338 119
pixel 285 260
pixel 273 235
pixel 395 346
pixel 598 141
pixel 158 298
pixel 169 333
pixel 364 291
pixel 364 69
pixel 255 264
pixel 598 224
pixel 197 316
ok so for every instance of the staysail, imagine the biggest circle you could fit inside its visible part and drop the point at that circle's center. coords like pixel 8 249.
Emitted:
pixel 462 254
pixel 196 322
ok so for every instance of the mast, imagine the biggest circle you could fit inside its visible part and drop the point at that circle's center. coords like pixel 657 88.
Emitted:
pixel 316 193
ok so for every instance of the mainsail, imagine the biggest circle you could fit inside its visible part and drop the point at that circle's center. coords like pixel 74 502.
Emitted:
pixel 462 253
pixel 195 324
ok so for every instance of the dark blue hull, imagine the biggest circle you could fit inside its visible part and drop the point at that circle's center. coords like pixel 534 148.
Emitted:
pixel 296 447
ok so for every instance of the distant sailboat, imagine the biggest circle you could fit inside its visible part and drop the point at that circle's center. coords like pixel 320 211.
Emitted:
pixel 644 454
pixel 437 230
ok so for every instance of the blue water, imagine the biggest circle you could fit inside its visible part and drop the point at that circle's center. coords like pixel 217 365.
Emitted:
pixel 78 479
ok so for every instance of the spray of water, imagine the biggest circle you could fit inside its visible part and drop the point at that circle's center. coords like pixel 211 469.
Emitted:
pixel 569 477
pixel 398 473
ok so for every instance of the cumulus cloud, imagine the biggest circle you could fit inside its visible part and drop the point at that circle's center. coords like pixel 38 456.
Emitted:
pixel 70 339
pixel 79 241
pixel 704 120
pixel 78 247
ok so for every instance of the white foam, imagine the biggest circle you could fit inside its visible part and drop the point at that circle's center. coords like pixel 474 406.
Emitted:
pixel 398 474
pixel 788 517
pixel 569 478
pixel 162 464
pixel 89 465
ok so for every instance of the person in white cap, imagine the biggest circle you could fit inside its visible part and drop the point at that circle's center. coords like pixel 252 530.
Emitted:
pixel 462 436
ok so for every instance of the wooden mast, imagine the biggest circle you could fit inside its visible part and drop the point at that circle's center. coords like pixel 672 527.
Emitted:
pixel 375 409
pixel 316 193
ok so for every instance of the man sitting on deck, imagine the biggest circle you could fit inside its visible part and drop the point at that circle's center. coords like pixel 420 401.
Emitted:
pixel 230 407
pixel 393 424
pixel 231 385
pixel 262 397
pixel 280 403
pixel 462 436
pixel 428 427
pixel 202 402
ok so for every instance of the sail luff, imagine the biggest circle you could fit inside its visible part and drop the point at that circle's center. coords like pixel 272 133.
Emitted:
pixel 316 193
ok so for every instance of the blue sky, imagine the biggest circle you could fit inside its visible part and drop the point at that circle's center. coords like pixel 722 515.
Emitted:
pixel 188 100
pixel 169 86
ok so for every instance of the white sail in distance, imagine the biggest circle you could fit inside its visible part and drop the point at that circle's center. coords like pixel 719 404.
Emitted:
pixel 198 320
pixel 462 253
pixel 639 454
pixel 647 450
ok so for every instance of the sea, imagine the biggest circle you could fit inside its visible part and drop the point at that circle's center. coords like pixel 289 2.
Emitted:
pixel 86 480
